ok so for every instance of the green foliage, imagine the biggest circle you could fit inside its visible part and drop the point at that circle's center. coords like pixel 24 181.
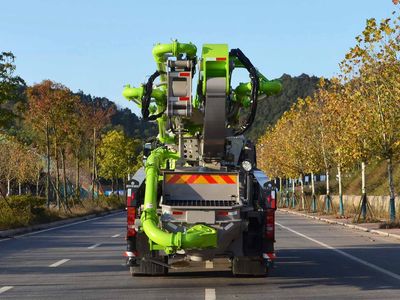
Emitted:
pixel 117 155
pixel 9 88
pixel 24 210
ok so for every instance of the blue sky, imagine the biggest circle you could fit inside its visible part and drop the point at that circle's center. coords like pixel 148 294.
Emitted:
pixel 98 45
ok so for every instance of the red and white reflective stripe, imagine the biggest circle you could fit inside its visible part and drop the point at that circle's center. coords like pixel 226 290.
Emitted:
pixel 215 58
pixel 130 254
pixel 184 74
pixel 269 256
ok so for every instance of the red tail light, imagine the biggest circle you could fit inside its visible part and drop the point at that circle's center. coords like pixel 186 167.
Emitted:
pixel 131 216
pixel 270 224
pixel 177 213
pixel 130 198
pixel 223 213
pixel 271 200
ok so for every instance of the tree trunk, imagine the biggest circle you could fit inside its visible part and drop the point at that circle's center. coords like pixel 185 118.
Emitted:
pixel 37 184
pixel 19 188
pixel 392 211
pixel 124 188
pixel 112 187
pixel 313 197
pixel 117 179
pixel 8 187
pixel 328 196
pixel 94 162
pixel 48 165
pixel 364 205
pixel 64 178
pixel 57 175
pixel 77 175
pixel 280 191
pixel 341 208
pixel 303 204
pixel 293 195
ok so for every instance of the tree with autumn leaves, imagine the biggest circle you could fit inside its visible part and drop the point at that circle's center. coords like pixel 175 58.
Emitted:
pixel 349 119
pixel 65 130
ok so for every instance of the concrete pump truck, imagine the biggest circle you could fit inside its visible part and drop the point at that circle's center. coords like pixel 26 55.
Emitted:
pixel 200 195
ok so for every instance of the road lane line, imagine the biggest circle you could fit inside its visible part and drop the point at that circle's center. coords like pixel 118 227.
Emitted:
pixel 210 294
pixel 349 256
pixel 62 226
pixel 209 264
pixel 93 246
pixel 5 289
pixel 58 263
pixel 116 235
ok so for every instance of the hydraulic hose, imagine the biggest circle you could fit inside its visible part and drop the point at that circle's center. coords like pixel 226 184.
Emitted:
pixel 198 236
pixel 254 88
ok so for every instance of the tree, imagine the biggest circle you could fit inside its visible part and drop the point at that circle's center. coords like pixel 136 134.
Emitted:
pixel 9 87
pixel 52 114
pixel 117 156
pixel 374 64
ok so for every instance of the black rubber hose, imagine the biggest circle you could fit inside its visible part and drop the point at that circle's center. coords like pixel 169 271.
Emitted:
pixel 254 88
pixel 147 97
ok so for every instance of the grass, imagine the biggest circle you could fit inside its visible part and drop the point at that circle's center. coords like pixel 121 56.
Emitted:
pixel 26 210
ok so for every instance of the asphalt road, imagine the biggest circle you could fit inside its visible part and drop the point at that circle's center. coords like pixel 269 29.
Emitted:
pixel 84 261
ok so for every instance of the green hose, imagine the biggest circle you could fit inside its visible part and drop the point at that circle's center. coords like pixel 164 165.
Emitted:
pixel 197 237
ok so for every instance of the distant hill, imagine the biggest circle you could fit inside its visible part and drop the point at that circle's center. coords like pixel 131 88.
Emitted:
pixel 124 118
pixel 269 110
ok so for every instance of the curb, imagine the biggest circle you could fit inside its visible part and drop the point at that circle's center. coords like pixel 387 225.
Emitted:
pixel 360 228
pixel 5 234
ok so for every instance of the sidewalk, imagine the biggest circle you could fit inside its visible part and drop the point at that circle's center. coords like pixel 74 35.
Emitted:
pixel 332 219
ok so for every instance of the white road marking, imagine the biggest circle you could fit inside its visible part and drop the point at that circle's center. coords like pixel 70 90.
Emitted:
pixel 210 294
pixel 209 264
pixel 93 246
pixel 116 235
pixel 349 256
pixel 5 289
pixel 62 226
pixel 58 263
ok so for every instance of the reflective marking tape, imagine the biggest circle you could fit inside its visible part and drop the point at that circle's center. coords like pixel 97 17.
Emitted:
pixel 5 289
pixel 209 264
pixel 216 59
pixel 58 263
pixel 269 256
pixel 130 254
pixel 228 226
pixel 200 179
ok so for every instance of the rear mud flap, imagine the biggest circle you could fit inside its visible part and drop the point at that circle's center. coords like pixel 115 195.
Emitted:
pixel 249 266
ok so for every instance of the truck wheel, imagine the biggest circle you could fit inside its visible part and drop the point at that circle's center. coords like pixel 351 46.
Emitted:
pixel 249 266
